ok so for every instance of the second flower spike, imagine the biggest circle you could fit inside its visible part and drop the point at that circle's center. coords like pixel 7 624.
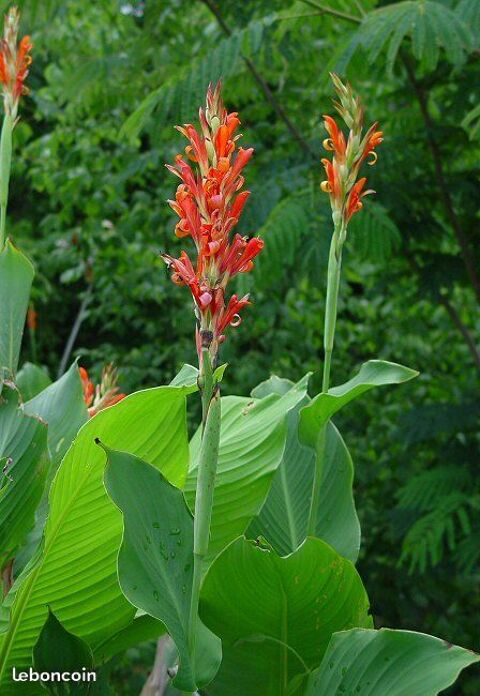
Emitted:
pixel 342 171
pixel 209 202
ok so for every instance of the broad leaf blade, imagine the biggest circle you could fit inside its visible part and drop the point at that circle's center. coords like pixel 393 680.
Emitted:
pixel 252 667
pixel 299 600
pixel 283 520
pixel 31 380
pixel 77 572
pixel 374 373
pixel 23 445
pixel 252 441
pixel 16 275
pixel 377 663
pixel 155 562
pixel 186 377
pixel 62 406
pixel 57 650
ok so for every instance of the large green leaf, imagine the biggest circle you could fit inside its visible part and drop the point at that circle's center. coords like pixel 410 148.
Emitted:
pixel 57 650
pixel 16 275
pixel 77 572
pixel 296 603
pixel 252 667
pixel 155 562
pixel 252 441
pixel 374 373
pixel 283 519
pixel 24 461
pixel 387 663
pixel 62 406
pixel 31 380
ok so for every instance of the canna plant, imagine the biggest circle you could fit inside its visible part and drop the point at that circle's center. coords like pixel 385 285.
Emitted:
pixel 240 544
pixel 274 605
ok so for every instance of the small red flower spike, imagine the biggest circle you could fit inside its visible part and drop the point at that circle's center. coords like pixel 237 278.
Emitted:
pixel 14 62
pixel 32 318
pixel 209 203
pixel 348 155
pixel 102 395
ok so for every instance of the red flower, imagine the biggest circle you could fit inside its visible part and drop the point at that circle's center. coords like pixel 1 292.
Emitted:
pixel 354 204
pixel 336 141
pixel 102 395
pixel 87 386
pixel 333 184
pixel 14 62
pixel 370 142
pixel 209 202
pixel 230 315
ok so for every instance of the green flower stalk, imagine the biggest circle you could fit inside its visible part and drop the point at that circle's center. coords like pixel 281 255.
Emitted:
pixel 14 62
pixel 346 191
pixel 209 202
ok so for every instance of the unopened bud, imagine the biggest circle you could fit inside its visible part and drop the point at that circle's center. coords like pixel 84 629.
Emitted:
pixel 215 123
pixel 210 150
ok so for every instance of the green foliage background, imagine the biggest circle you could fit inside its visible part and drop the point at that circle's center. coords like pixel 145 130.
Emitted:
pixel 88 205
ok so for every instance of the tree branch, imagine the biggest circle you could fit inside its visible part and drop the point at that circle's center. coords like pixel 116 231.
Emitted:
pixel 325 9
pixel 74 332
pixel 456 319
pixel 270 97
pixel 462 238
pixel 158 679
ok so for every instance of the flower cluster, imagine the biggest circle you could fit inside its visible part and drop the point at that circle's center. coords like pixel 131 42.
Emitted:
pixel 14 63
pixel 102 395
pixel 348 155
pixel 209 202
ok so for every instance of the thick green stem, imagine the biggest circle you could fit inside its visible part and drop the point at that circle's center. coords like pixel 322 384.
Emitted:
pixel 5 166
pixel 333 285
pixel 207 468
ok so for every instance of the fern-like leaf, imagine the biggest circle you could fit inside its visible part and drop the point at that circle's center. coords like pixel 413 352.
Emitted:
pixel 374 235
pixel 438 530
pixel 469 13
pixel 424 490
pixel 432 420
pixel 185 90
pixel 467 553
pixel 427 24
pixel 471 122
pixel 283 232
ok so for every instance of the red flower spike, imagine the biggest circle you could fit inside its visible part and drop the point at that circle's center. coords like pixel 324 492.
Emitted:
pixel 102 395
pixel 209 203
pixel 87 386
pixel 32 317
pixel 14 62
pixel 348 154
